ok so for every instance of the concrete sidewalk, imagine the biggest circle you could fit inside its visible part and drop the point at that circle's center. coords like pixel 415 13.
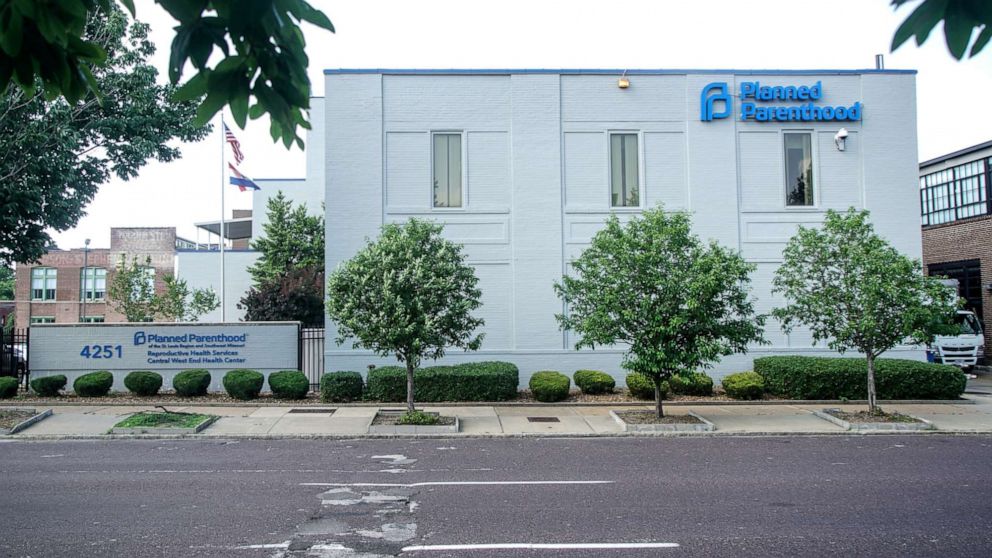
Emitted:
pixel 346 421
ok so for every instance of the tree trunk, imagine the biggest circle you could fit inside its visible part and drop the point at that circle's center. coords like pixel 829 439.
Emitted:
pixel 659 411
pixel 872 403
pixel 409 386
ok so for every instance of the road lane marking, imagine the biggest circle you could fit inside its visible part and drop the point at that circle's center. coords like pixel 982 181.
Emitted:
pixel 540 546
pixel 282 545
pixel 453 483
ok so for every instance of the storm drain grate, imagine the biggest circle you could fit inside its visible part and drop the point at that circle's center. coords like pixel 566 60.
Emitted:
pixel 543 419
pixel 311 410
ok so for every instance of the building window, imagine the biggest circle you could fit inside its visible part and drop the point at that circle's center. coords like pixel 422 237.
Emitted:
pixel 93 283
pixel 955 193
pixel 624 191
pixel 43 280
pixel 447 170
pixel 92 319
pixel 42 319
pixel 799 170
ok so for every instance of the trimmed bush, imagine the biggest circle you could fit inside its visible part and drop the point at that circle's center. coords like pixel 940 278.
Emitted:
pixel 8 387
pixel 244 384
pixel 49 386
pixel 191 383
pixel 641 387
pixel 744 385
pixel 801 377
pixel 594 382
pixel 696 383
pixel 341 387
pixel 289 384
pixel 473 381
pixel 549 386
pixel 143 383
pixel 94 384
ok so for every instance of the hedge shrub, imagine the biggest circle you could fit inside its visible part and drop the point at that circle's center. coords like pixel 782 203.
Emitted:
pixel 473 381
pixel 191 383
pixel 549 386
pixel 340 387
pixel 800 377
pixel 243 384
pixel 143 382
pixel 695 383
pixel 8 387
pixel 49 386
pixel 289 384
pixel 94 384
pixel 744 385
pixel 594 382
pixel 642 387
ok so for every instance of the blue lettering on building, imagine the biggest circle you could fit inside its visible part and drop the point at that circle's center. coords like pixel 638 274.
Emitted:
pixel 757 104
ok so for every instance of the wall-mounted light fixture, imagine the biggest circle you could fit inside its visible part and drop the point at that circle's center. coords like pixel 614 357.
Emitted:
pixel 840 139
pixel 623 82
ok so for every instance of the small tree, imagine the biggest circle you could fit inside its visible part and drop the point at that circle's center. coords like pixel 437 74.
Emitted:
pixel 677 303
pixel 180 304
pixel 408 294
pixel 132 290
pixel 293 239
pixel 297 295
pixel 855 291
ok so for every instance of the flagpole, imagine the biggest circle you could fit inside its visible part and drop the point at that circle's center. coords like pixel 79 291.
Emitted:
pixel 223 282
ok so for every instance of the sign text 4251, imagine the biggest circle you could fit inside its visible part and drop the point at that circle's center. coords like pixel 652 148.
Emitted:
pixel 101 351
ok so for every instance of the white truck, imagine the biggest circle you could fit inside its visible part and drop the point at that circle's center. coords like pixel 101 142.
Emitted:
pixel 965 348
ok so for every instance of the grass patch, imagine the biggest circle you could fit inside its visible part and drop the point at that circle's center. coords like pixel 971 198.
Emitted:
pixel 162 420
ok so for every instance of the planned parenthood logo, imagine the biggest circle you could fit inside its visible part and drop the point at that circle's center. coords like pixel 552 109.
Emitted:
pixel 140 338
pixel 713 93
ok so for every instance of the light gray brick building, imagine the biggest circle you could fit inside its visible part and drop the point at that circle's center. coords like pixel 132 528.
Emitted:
pixel 524 166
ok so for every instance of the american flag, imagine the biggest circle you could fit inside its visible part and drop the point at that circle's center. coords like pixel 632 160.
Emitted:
pixel 235 144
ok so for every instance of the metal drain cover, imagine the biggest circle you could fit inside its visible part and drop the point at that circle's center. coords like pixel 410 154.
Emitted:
pixel 543 419
pixel 312 410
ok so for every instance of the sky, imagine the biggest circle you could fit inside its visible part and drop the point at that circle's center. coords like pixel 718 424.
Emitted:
pixel 670 34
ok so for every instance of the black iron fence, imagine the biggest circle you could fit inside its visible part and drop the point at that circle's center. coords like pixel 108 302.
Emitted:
pixel 14 354
pixel 312 354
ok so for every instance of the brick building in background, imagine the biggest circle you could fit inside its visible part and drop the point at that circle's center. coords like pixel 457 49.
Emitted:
pixel 956 210
pixel 51 291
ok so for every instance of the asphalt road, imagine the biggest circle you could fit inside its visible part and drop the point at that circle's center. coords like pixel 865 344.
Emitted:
pixel 775 496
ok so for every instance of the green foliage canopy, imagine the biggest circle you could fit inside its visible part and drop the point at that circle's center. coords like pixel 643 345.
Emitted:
pixel 679 304
pixel 853 290
pixel 43 45
pixel 409 294
pixel 961 19
pixel 293 240
pixel 54 154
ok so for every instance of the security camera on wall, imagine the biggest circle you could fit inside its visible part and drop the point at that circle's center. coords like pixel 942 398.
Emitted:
pixel 840 139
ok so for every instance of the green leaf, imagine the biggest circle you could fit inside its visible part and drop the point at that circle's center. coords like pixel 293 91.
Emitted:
pixel 209 107
pixel 957 33
pixel 920 22
pixel 195 88
pixel 982 40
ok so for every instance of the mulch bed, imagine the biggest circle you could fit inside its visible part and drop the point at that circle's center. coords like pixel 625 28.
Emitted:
pixel 621 395
pixel 12 417
pixel 649 417
pixel 867 417
pixel 394 419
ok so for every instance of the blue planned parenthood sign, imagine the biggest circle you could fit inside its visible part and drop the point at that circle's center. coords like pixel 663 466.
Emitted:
pixel 166 348
pixel 774 103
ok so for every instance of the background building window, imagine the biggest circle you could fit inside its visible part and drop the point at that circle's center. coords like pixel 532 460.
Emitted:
pixel 43 281
pixel 799 170
pixel 955 193
pixel 93 283
pixel 42 319
pixel 624 190
pixel 92 319
pixel 447 170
